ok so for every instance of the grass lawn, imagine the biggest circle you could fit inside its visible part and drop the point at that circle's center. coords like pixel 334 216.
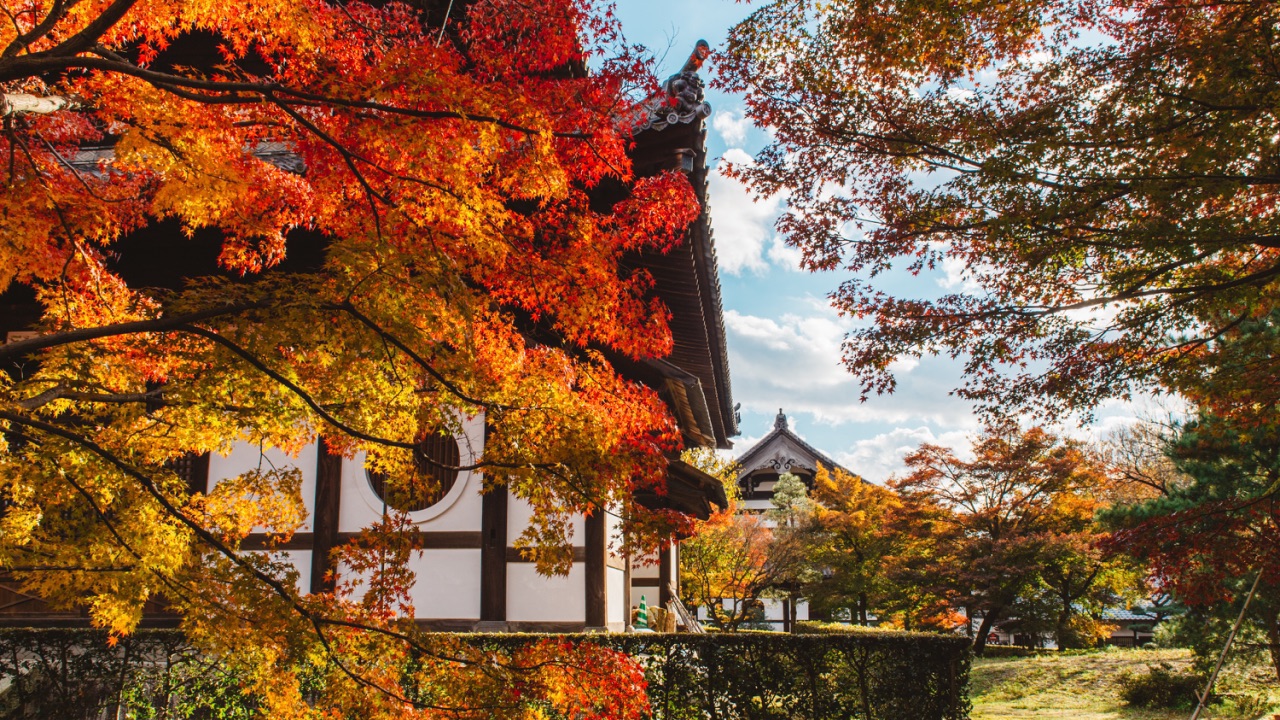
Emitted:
pixel 1084 686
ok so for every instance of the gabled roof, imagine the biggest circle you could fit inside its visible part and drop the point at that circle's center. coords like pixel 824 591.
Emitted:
pixel 781 450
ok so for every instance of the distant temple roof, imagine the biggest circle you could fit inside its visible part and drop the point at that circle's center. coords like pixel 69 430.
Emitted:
pixel 782 450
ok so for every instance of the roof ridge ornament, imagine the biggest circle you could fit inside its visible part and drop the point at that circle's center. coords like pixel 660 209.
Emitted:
pixel 684 102
pixel 780 422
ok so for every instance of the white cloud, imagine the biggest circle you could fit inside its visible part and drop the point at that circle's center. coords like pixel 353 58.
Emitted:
pixel 743 225
pixel 880 457
pixel 732 126
pixel 785 256
pixel 956 275
pixel 793 362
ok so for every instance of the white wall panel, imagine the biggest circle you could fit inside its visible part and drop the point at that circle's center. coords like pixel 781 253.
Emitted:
pixel 447 584
pixel 519 512
pixel 245 457
pixel 615 596
pixel 645 566
pixel 536 598
pixel 459 510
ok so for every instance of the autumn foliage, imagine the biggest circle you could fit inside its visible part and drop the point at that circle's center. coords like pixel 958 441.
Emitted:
pixel 1097 177
pixel 419 215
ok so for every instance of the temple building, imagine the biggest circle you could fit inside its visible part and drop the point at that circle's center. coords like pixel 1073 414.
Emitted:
pixel 469 576
pixel 780 451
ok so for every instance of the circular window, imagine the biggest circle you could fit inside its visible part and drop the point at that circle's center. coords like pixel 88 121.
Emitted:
pixel 436 461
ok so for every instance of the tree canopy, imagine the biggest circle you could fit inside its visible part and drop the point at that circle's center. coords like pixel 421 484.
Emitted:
pixel 1017 516
pixel 1100 176
pixel 1208 538
pixel 405 206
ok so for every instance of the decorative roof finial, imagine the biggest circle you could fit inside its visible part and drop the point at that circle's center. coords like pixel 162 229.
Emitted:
pixel 681 101
pixel 699 55
pixel 780 422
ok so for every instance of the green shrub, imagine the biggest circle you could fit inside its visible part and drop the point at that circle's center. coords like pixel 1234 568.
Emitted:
pixel 76 675
pixel 869 675
pixel 1008 651
pixel 1162 687
pixel 816 627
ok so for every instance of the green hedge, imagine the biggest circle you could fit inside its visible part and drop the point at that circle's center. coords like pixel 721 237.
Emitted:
pixel 75 675
pixel 868 675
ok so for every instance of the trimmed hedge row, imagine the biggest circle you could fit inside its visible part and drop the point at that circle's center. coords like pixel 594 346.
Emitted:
pixel 765 676
pixel 73 674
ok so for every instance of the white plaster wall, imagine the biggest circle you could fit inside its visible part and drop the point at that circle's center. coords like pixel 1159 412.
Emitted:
pixel 447 584
pixel 650 595
pixel 536 598
pixel 644 565
pixel 245 457
pixel 772 611
pixel 519 512
pixel 459 510
pixel 613 531
pixel 301 561
pixel 615 596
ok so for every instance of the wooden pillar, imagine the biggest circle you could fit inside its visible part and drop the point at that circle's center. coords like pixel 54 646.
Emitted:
pixel 675 568
pixel 666 574
pixel 198 479
pixel 597 554
pixel 324 523
pixel 493 556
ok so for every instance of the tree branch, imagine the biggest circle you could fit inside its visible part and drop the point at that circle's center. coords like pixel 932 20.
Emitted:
pixel 41 342
pixel 39 63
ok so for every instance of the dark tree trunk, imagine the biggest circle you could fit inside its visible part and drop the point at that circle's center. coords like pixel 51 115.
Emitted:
pixel 862 609
pixel 1064 617
pixel 1273 639
pixel 988 621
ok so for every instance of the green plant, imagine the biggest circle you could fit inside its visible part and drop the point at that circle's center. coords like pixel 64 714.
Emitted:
pixel 1162 687
pixel 870 675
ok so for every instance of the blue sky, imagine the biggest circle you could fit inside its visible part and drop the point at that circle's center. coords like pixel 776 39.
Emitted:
pixel 784 338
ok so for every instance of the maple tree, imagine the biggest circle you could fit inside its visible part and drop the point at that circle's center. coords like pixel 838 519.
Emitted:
pixel 854 522
pixel 920 593
pixel 1099 177
pixel 727 560
pixel 736 558
pixel 1012 509
pixel 1080 577
pixel 1210 537
pixel 407 207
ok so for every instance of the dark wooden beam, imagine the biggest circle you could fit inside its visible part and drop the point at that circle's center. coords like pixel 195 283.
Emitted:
pixel 517 555
pixel 665 572
pixel 324 522
pixel 437 540
pixel 198 480
pixel 597 548
pixel 493 555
